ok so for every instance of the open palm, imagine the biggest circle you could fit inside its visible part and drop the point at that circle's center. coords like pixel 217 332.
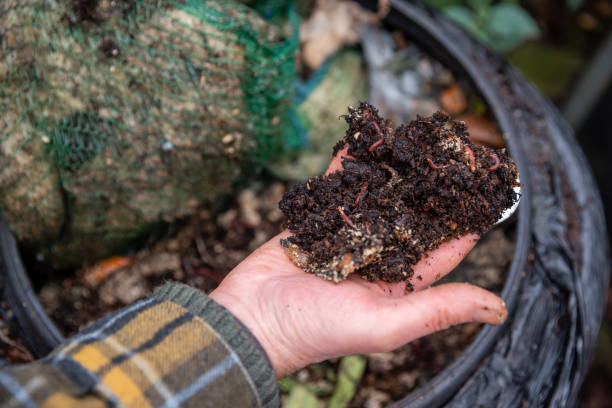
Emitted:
pixel 300 319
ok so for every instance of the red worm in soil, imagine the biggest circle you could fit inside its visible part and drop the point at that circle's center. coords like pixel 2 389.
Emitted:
pixel 495 165
pixel 378 131
pixel 380 141
pixel 210 274
pixel 363 189
pixel 470 153
pixel 376 144
pixel 436 166
pixel 345 217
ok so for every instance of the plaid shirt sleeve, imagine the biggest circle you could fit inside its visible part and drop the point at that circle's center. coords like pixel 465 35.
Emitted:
pixel 176 349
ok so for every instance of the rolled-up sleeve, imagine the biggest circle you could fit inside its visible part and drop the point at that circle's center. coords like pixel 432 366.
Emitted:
pixel 177 348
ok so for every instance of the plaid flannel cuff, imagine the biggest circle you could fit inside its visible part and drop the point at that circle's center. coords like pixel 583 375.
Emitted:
pixel 239 339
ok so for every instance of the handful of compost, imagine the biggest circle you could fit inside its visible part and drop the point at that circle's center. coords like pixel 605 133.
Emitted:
pixel 400 194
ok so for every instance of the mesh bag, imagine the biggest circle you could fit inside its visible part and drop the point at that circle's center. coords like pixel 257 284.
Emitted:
pixel 118 115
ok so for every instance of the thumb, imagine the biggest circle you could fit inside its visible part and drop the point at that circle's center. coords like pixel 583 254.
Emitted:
pixel 336 161
pixel 398 321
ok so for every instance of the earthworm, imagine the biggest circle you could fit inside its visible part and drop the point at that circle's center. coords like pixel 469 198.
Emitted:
pixel 204 271
pixel 380 141
pixel 436 166
pixel 345 217
pixel 378 131
pixel 470 153
pixel 376 144
pixel 495 165
pixel 363 189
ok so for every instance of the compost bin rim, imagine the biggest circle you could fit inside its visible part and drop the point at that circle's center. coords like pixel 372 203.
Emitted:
pixel 39 331
pixel 32 318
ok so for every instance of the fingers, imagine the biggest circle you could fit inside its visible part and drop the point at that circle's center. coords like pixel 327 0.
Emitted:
pixel 397 321
pixel 441 261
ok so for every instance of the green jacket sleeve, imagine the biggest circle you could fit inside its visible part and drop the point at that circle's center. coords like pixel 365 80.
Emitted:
pixel 178 348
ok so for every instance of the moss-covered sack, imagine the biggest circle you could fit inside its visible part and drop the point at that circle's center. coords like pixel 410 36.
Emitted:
pixel 116 116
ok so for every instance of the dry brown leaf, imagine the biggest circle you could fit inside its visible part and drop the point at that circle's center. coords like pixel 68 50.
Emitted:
pixel 333 24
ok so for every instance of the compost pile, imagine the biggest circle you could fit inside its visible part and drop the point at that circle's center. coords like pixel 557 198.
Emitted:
pixel 118 116
pixel 401 193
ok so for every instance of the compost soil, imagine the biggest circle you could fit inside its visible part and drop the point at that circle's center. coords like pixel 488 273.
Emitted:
pixel 401 193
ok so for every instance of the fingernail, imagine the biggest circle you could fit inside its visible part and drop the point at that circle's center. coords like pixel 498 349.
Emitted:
pixel 504 313
pixel 491 316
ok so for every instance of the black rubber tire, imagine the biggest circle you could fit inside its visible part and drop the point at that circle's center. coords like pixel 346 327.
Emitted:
pixel 34 325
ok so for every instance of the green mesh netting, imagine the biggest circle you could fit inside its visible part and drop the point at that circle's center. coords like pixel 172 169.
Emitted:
pixel 117 115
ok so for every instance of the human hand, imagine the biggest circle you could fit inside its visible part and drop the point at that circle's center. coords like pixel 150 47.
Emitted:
pixel 300 319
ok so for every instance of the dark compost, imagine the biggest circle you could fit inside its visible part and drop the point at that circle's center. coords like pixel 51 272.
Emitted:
pixel 400 194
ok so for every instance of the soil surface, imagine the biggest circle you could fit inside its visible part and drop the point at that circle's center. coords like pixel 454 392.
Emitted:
pixel 401 194
pixel 199 252
pixel 13 349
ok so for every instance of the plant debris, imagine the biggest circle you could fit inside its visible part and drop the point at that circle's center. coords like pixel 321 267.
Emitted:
pixel 333 24
pixel 401 193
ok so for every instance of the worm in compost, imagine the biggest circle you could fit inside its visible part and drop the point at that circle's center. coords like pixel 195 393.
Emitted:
pixel 345 217
pixel 436 166
pixel 380 141
pixel 363 189
pixel 496 163
pixel 376 144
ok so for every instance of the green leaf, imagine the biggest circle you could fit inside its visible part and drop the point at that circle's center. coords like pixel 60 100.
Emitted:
pixel 461 15
pixel 467 19
pixel 509 26
pixel 287 383
pixel 301 397
pixel 478 5
pixel 349 374
pixel 550 68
